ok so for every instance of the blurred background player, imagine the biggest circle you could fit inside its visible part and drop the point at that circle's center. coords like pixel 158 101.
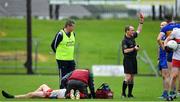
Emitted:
pixel 77 82
pixel 166 31
pixel 63 45
pixel 162 64
pixel 175 35
pixel 129 49
pixel 43 91
pixel 178 90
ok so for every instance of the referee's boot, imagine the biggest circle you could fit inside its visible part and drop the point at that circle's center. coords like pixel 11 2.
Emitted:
pixel 130 96
pixel 123 95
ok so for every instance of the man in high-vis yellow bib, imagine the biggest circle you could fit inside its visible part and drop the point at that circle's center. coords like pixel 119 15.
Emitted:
pixel 63 45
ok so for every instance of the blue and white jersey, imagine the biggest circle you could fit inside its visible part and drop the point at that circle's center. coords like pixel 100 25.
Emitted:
pixel 176 36
pixel 166 30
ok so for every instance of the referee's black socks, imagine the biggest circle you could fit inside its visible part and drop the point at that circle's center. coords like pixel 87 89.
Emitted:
pixel 124 88
pixel 130 88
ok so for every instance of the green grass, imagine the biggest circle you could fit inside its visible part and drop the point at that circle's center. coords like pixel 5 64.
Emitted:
pixel 145 88
pixel 98 40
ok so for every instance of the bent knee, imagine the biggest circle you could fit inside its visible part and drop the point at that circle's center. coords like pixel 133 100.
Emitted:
pixel 43 85
pixel 129 78
pixel 174 76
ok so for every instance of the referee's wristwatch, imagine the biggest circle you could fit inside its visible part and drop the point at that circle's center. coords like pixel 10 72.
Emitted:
pixel 140 22
pixel 134 49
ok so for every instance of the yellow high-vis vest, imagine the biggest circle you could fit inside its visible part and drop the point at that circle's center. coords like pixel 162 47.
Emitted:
pixel 65 49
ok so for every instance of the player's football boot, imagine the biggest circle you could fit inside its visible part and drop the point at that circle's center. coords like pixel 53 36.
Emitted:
pixel 5 94
pixel 178 93
pixel 164 95
pixel 77 94
pixel 72 94
pixel 172 94
pixel 169 98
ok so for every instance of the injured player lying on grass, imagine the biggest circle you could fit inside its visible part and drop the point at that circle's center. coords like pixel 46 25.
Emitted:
pixel 44 91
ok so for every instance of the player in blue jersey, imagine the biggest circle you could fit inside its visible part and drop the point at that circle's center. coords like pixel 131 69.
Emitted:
pixel 166 31
pixel 163 67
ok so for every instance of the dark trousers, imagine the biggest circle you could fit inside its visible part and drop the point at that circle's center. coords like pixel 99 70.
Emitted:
pixel 77 85
pixel 64 68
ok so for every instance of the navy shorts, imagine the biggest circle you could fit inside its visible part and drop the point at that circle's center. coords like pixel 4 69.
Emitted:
pixel 162 64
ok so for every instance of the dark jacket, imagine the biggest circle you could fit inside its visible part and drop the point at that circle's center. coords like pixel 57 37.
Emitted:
pixel 79 74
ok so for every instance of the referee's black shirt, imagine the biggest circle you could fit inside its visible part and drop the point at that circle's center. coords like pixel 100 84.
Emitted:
pixel 129 43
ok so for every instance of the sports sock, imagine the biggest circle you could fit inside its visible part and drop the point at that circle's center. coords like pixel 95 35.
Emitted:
pixel 165 93
pixel 130 87
pixel 124 87
pixel 5 94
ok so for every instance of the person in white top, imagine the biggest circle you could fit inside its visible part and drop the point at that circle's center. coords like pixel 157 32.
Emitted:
pixel 44 91
pixel 175 35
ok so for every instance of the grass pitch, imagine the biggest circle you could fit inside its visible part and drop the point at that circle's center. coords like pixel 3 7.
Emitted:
pixel 98 41
pixel 145 88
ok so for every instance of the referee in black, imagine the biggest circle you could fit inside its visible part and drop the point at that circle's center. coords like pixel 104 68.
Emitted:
pixel 129 49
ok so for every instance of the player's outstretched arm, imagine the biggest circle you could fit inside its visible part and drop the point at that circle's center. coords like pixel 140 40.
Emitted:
pixel 141 21
pixel 167 39
pixel 159 40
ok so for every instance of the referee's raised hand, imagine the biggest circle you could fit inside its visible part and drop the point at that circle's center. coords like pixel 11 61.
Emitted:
pixel 141 21
pixel 141 17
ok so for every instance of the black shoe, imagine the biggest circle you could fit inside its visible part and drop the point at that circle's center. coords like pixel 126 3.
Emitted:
pixel 123 95
pixel 169 98
pixel 172 94
pixel 5 94
pixel 130 96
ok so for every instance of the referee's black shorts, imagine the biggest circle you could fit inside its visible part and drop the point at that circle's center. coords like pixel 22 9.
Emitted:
pixel 130 65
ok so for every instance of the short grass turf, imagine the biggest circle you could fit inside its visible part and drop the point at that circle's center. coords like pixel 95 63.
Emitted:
pixel 145 88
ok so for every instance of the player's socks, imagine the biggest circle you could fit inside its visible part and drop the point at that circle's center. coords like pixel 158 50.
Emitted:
pixel 124 88
pixel 5 94
pixel 165 94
